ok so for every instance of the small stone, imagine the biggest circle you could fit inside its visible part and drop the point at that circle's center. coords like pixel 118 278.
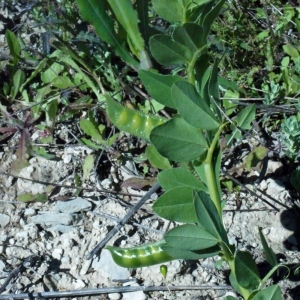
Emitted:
pixel 73 206
pixel 4 220
pixel 57 253
pixel 29 212
pixel 114 296
pixel 78 284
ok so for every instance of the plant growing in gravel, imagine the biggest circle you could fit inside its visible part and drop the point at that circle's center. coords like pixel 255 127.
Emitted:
pixel 193 195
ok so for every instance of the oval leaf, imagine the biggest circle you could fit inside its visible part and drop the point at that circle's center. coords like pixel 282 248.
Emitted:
pixel 179 199
pixel 168 52
pixel 178 141
pixel 190 237
pixel 187 100
pixel 175 177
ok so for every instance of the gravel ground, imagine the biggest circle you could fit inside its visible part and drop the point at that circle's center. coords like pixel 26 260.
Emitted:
pixel 55 237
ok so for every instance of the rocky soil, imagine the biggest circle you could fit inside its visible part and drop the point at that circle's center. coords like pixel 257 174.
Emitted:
pixel 55 237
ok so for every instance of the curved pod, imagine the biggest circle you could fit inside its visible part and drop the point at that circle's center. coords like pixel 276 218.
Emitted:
pixel 131 121
pixel 141 256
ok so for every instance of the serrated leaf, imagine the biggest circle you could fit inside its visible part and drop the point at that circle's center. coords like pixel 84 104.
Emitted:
pixel 178 141
pixel 127 17
pixel 94 11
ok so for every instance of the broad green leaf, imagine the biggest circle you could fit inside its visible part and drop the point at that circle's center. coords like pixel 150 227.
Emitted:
pixel 176 177
pixel 131 121
pixel 18 80
pixel 156 160
pixel 178 141
pixel 168 52
pixel 228 104
pixel 87 166
pixel 142 7
pixel 189 35
pixel 14 46
pixel 192 108
pixel 208 215
pixel 127 17
pixel 159 86
pixel 269 253
pixel 243 121
pixel 178 199
pixel 213 89
pixel 171 11
pixel 246 270
pixel 272 292
pixel 191 255
pixel 51 110
pixel 89 128
pixel 26 198
pixel 52 72
pixel 254 157
pixel 291 51
pixel 94 12
pixel 190 237
pixel 208 15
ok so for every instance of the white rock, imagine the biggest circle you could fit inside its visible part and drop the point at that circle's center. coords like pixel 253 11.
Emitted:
pixel 4 220
pixel 73 206
pixel 134 295
pixel 114 296
pixel 85 267
pixel 29 212
pixel 57 253
pixel 78 284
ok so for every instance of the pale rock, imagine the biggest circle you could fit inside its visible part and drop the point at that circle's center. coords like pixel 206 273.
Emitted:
pixel 139 295
pixel 51 219
pixel 4 220
pixel 29 212
pixel 114 296
pixel 85 267
pixel 72 206
pixel 57 253
pixel 78 284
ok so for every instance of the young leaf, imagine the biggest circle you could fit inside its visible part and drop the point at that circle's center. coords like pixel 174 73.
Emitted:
pixel 14 46
pixel 28 198
pixel 187 100
pixel 131 121
pixel 94 11
pixel 272 292
pixel 168 52
pixel 159 86
pixel 190 237
pixel 208 216
pixel 254 157
pixel 156 160
pixel 18 80
pixel 269 253
pixel 178 141
pixel 178 199
pixel 89 128
pixel 246 270
pixel 87 166
pixel 243 121
pixel 127 17
pixel 175 177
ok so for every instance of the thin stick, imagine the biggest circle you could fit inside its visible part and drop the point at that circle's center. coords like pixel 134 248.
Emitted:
pixel 130 213
pixel 122 289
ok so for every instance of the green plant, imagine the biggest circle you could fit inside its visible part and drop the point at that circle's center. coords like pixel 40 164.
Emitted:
pixel 191 137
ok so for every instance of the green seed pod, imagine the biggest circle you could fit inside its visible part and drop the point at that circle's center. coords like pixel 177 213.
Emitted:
pixel 164 270
pixel 141 256
pixel 131 121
